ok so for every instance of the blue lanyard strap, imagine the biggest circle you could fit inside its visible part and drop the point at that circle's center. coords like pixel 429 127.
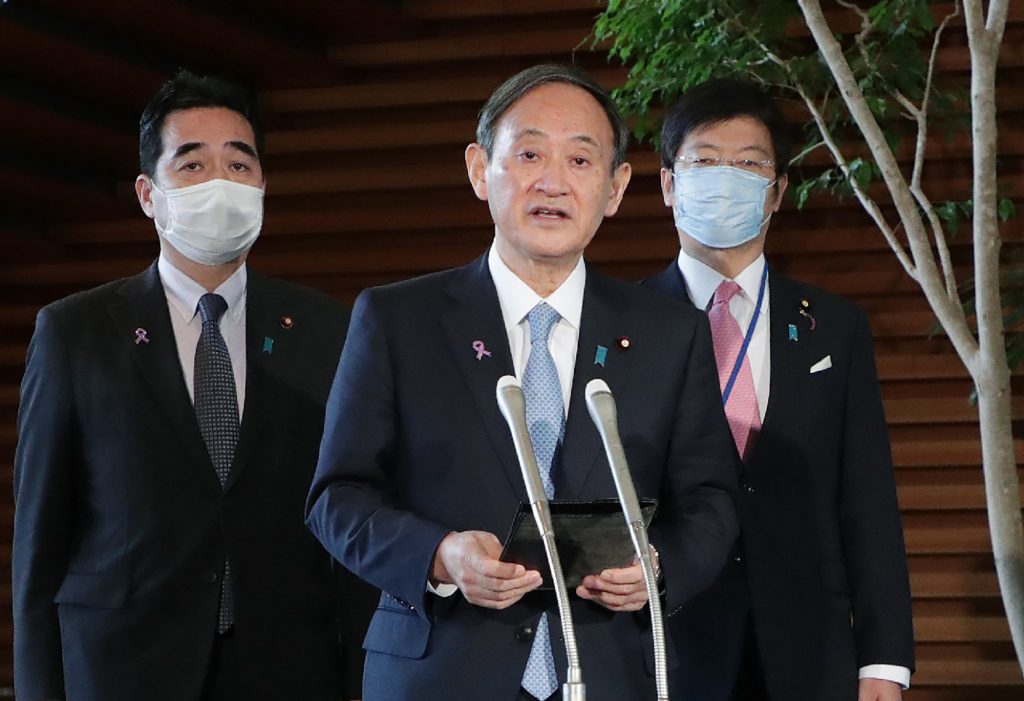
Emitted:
pixel 746 340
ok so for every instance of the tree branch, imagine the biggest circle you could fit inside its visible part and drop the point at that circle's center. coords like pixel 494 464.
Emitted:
pixel 869 205
pixel 806 150
pixel 950 313
pixel 866 26
pixel 920 115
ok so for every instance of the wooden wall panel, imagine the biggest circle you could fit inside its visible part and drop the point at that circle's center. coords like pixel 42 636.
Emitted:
pixel 366 186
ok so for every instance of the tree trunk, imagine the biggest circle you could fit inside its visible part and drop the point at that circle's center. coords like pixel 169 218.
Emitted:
pixel 1002 493
pixel 990 371
pixel 986 362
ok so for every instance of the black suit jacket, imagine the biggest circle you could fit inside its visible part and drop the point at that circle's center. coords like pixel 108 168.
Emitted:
pixel 121 526
pixel 415 447
pixel 821 538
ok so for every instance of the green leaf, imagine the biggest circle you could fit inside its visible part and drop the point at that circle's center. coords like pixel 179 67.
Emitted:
pixel 1006 209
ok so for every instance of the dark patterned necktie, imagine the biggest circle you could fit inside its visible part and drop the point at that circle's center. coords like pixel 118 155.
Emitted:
pixel 217 413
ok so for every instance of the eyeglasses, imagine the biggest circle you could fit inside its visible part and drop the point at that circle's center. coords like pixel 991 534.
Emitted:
pixel 765 167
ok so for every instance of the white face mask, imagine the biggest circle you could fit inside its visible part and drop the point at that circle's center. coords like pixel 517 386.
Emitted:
pixel 211 223
pixel 720 206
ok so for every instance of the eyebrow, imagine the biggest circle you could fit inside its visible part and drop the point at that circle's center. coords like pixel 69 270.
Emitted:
pixel 540 132
pixel 191 146
pixel 244 148
pixel 715 147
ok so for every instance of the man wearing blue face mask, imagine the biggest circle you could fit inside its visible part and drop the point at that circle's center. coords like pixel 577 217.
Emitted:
pixel 815 604
pixel 168 432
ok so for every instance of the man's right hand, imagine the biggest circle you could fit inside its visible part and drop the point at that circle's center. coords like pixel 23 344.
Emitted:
pixel 469 560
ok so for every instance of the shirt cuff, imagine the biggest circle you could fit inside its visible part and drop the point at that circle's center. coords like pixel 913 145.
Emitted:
pixel 446 590
pixel 888 672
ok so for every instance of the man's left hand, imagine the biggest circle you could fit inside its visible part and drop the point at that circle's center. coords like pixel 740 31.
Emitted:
pixel 616 589
pixel 879 690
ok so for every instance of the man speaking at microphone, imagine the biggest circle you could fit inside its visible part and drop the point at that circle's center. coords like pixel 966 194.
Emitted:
pixel 418 478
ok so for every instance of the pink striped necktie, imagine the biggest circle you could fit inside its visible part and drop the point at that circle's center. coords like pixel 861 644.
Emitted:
pixel 741 409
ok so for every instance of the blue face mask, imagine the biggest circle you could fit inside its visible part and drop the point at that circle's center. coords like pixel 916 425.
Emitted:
pixel 720 206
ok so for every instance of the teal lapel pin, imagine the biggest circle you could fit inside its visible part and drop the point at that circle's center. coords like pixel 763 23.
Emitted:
pixel 600 355
pixel 793 334
pixel 268 344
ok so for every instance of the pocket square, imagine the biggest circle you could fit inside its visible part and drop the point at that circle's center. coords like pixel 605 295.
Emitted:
pixel 823 364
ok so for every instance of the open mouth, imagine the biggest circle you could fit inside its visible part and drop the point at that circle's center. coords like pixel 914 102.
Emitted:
pixel 553 213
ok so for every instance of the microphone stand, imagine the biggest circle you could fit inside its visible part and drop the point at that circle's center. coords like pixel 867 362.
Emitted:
pixel 601 405
pixel 513 407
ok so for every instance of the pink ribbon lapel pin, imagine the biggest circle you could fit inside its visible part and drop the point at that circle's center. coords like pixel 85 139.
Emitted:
pixel 481 350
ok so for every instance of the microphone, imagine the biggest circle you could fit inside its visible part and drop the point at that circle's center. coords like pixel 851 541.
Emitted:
pixel 601 405
pixel 512 404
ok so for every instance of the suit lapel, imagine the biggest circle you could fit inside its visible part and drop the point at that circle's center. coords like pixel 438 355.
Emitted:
pixel 473 318
pixel 670 281
pixel 269 347
pixel 604 321
pixel 789 357
pixel 143 306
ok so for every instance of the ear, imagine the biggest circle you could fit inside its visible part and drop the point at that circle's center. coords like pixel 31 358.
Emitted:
pixel 144 191
pixel 476 168
pixel 780 187
pixel 667 187
pixel 620 179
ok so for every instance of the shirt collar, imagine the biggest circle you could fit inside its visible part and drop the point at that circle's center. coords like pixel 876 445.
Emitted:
pixel 517 298
pixel 702 280
pixel 183 292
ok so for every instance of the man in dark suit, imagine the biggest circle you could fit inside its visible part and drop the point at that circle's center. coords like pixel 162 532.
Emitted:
pixel 418 478
pixel 168 432
pixel 815 604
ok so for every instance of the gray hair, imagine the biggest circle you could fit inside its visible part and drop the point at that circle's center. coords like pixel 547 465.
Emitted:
pixel 509 92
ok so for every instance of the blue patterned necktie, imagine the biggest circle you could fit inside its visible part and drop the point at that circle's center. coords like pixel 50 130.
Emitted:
pixel 545 417
pixel 217 413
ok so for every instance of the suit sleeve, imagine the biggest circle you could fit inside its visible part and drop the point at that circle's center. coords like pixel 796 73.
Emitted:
pixel 353 507
pixel 43 511
pixel 698 524
pixel 872 532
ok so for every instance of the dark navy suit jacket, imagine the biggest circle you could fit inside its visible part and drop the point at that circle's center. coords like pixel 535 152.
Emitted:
pixel 821 538
pixel 415 447
pixel 121 526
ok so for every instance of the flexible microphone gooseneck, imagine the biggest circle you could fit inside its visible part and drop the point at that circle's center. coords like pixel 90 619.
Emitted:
pixel 513 407
pixel 601 405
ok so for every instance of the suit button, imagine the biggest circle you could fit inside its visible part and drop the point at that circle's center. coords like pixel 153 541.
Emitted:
pixel 524 634
pixel 211 577
pixel 748 488
pixel 737 559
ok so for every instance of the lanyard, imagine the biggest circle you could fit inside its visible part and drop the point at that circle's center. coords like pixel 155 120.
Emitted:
pixel 746 340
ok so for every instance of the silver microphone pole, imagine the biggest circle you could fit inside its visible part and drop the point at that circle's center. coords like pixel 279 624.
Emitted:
pixel 601 405
pixel 513 407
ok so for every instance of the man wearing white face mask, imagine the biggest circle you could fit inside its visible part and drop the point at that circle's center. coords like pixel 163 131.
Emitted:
pixel 168 432
pixel 815 604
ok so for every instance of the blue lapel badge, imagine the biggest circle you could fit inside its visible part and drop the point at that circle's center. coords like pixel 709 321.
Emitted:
pixel 600 355
pixel 268 345
pixel 793 333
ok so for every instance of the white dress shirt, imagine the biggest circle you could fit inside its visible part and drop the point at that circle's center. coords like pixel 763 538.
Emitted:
pixel 183 295
pixel 701 283
pixel 516 299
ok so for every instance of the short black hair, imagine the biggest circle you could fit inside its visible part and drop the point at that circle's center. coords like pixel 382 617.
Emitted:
pixel 509 92
pixel 719 100
pixel 188 91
